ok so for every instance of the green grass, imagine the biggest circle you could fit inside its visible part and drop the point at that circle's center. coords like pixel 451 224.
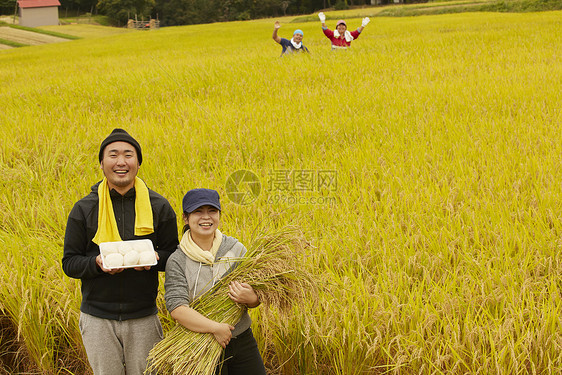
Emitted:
pixel 397 10
pixel 438 7
pixel 11 43
pixel 440 249
pixel 86 19
pixel 87 30
pixel 41 31
pixel 334 15
pixel 514 6
pixel 522 6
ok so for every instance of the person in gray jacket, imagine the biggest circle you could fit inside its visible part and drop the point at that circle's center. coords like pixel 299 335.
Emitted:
pixel 202 258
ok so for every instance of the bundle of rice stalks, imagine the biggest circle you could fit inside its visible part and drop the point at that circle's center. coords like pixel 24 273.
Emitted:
pixel 272 266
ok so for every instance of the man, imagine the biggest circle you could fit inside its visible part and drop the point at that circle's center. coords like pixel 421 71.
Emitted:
pixel 341 38
pixel 289 46
pixel 119 318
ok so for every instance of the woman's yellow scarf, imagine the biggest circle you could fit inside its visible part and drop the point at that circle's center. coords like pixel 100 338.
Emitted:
pixel 194 252
pixel 107 225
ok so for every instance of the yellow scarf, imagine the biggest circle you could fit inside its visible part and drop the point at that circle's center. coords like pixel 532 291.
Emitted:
pixel 107 225
pixel 194 252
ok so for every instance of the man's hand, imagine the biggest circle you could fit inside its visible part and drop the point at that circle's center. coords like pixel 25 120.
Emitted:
pixel 365 21
pixel 322 17
pixel 276 27
pixel 112 271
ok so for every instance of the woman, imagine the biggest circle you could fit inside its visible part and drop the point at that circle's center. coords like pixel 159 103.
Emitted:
pixel 341 37
pixel 194 268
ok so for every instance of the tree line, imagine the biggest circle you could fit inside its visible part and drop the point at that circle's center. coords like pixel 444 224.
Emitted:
pixel 187 12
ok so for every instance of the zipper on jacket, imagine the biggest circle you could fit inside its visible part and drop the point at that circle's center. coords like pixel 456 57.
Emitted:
pixel 121 281
pixel 123 214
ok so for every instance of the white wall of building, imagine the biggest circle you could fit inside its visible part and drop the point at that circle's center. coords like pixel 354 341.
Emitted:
pixel 33 17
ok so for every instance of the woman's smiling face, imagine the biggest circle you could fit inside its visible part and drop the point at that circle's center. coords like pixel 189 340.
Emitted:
pixel 341 28
pixel 203 221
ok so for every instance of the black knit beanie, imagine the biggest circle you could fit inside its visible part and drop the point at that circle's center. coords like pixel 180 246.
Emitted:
pixel 121 135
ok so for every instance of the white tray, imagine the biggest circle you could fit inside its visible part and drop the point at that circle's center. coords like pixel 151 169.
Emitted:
pixel 136 245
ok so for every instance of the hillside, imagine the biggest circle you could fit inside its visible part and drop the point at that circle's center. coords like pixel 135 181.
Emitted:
pixel 422 166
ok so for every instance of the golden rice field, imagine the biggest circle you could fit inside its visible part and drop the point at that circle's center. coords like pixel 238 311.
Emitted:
pixel 424 166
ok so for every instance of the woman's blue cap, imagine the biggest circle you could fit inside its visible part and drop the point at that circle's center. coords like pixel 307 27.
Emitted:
pixel 196 198
pixel 298 31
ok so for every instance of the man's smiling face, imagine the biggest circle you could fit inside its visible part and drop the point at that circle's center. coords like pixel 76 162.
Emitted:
pixel 120 166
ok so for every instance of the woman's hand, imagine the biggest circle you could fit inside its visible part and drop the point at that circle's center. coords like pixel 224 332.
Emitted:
pixel 197 322
pixel 223 333
pixel 243 293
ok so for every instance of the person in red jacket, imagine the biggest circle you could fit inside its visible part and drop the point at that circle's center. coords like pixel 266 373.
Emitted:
pixel 341 37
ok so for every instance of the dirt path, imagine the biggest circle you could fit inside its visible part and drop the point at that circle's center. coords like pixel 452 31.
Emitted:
pixel 27 37
pixel 8 19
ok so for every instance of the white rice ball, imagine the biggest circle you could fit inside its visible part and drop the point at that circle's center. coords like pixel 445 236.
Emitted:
pixel 125 247
pixel 147 257
pixel 131 258
pixel 109 249
pixel 143 246
pixel 114 260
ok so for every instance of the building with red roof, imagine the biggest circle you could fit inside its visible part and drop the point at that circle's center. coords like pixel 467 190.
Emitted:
pixel 35 13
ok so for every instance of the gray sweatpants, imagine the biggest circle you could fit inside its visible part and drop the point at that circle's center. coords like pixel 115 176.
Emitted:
pixel 119 347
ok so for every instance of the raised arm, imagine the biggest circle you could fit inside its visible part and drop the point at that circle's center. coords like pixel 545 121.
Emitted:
pixel 322 19
pixel 364 23
pixel 276 27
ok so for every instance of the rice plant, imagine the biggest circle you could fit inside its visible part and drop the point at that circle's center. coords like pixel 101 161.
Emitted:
pixel 439 245
pixel 273 267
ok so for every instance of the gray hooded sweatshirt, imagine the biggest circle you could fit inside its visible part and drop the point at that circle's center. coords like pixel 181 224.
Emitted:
pixel 186 279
